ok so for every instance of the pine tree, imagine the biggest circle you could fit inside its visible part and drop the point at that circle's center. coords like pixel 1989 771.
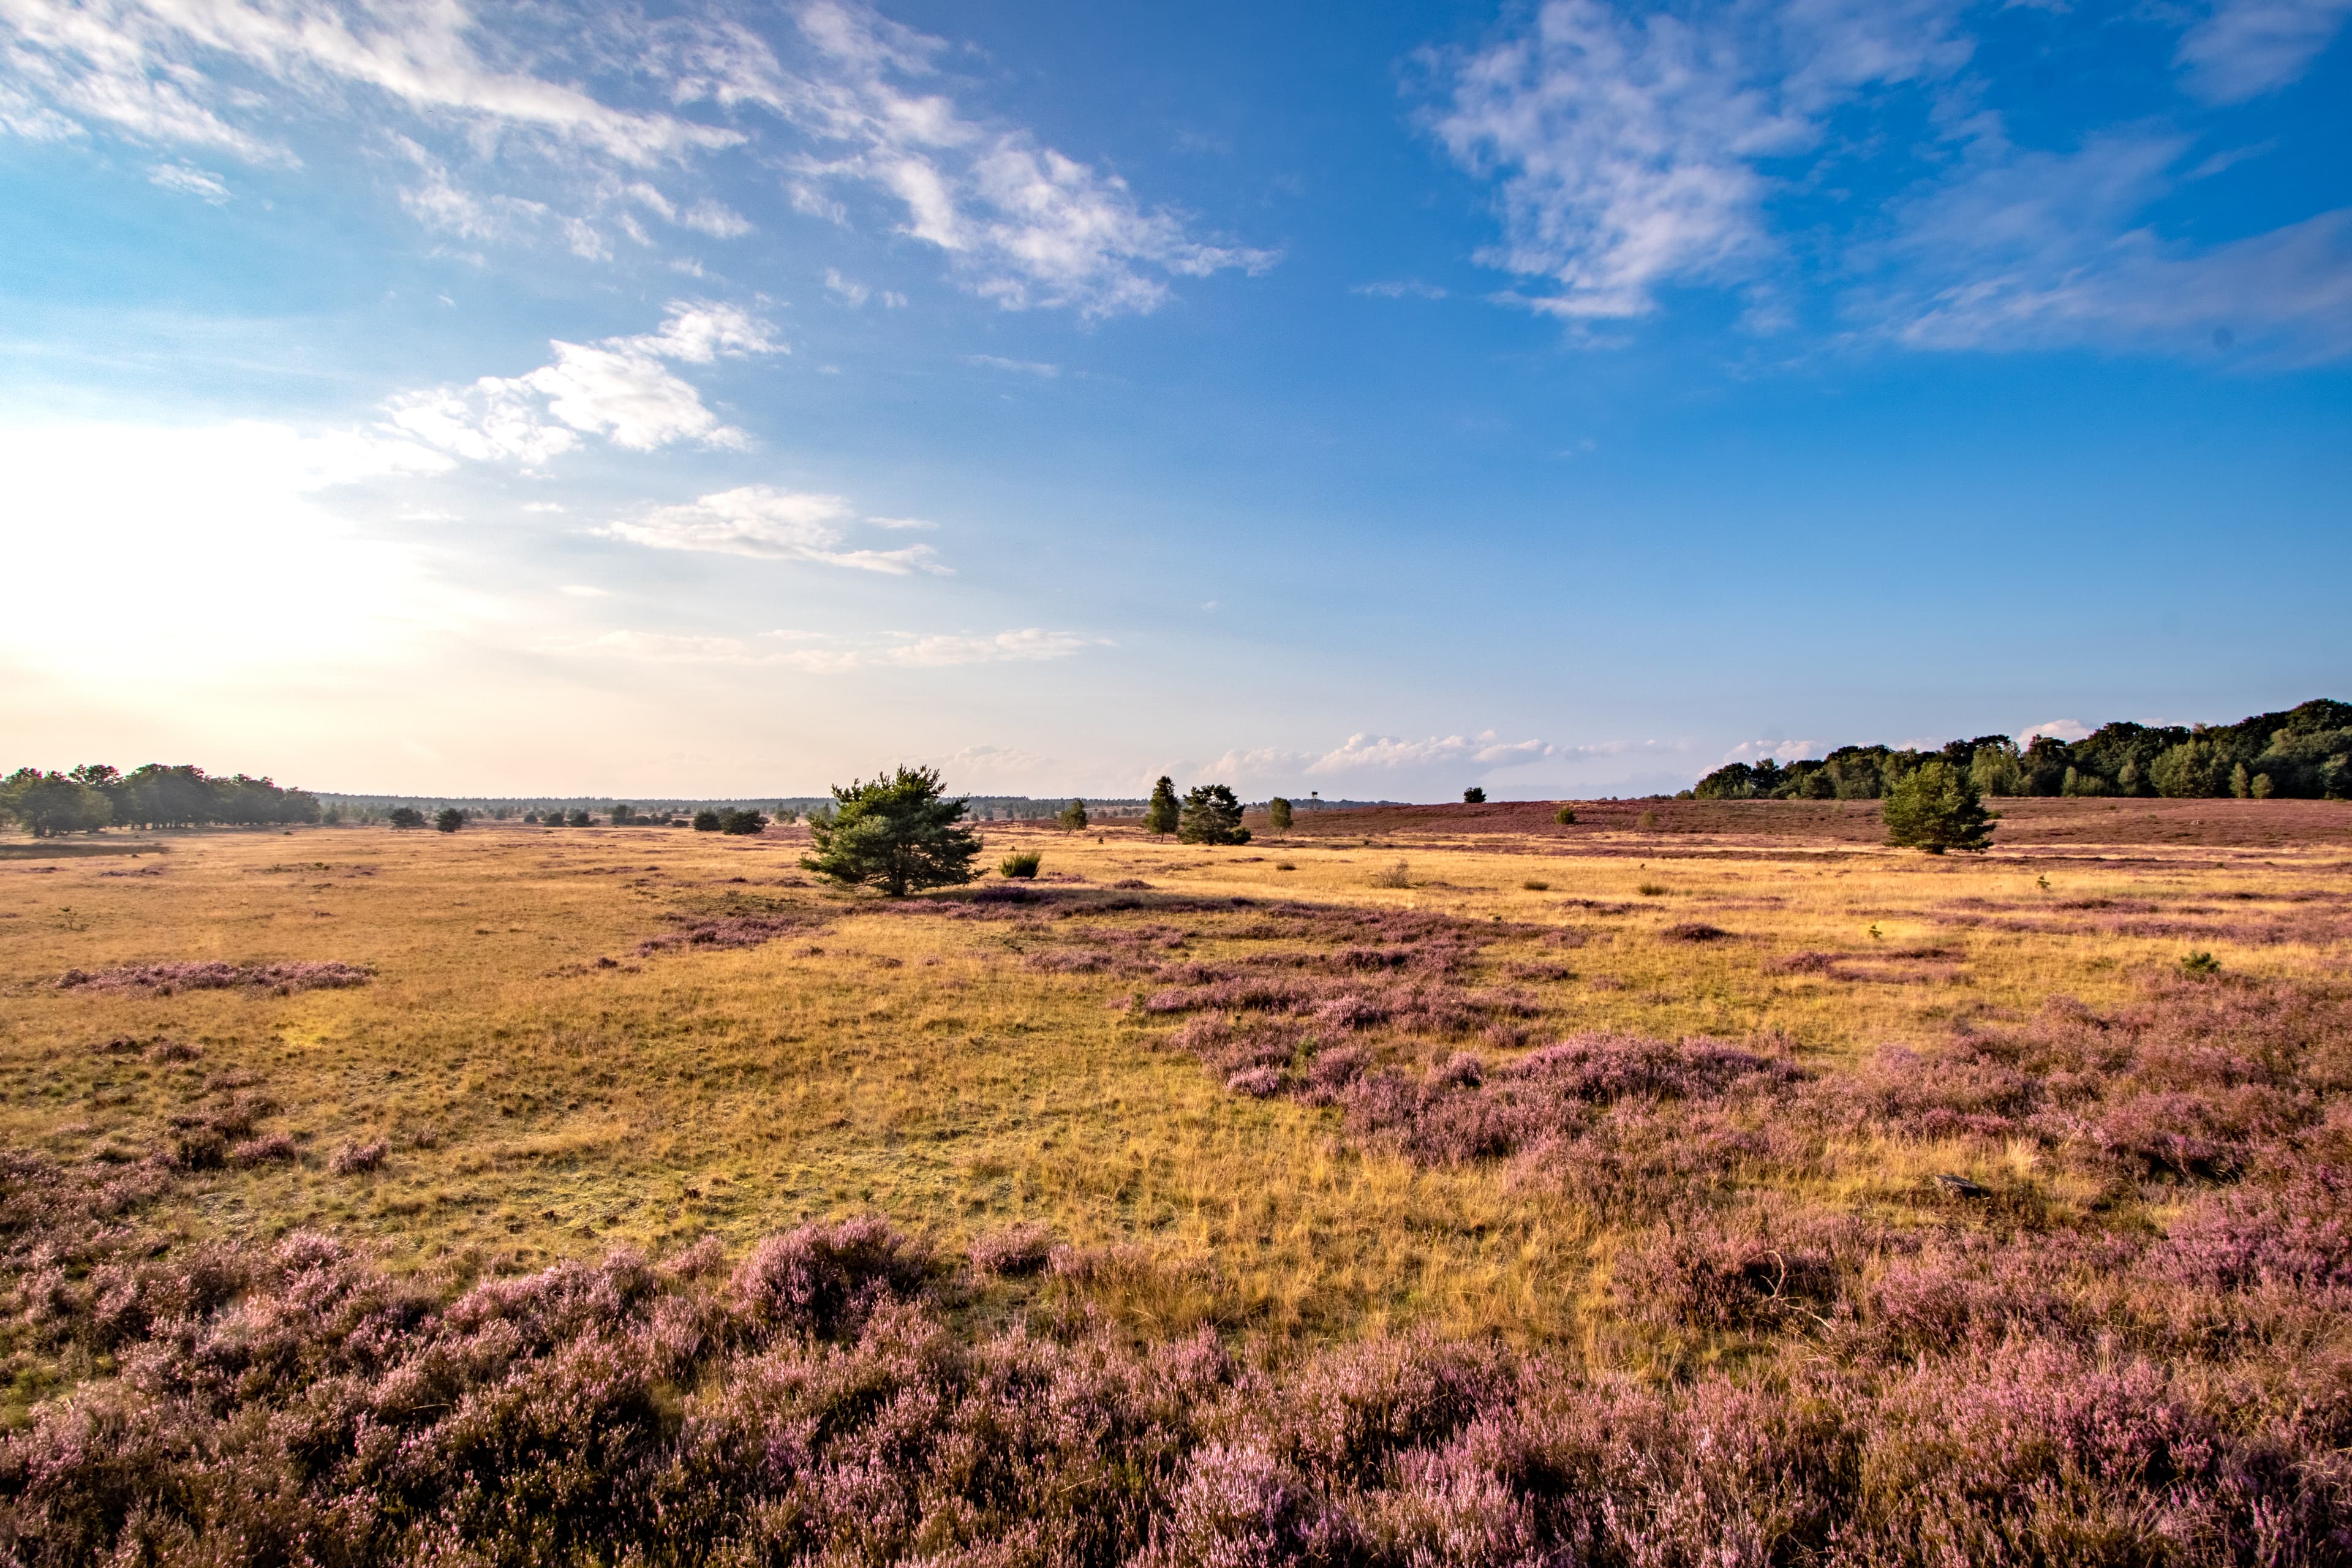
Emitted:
pixel 1073 816
pixel 1936 807
pixel 1277 814
pixel 1212 815
pixel 897 831
pixel 1160 815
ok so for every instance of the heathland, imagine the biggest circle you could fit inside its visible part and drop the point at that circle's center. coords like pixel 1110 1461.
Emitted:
pixel 1697 1180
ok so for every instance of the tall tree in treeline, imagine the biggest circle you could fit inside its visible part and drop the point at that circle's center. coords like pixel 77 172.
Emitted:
pixel 1160 813
pixel 1935 807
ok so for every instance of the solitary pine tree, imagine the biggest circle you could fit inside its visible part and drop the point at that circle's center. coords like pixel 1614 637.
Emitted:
pixel 1473 795
pixel 448 819
pixel 1936 807
pixel 1277 814
pixel 1073 816
pixel 406 816
pixel 897 832
pixel 1160 815
pixel 1212 816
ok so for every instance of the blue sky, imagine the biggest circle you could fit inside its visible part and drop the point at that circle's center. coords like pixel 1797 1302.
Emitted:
pixel 712 400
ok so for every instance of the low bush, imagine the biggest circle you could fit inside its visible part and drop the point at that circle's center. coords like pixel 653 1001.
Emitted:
pixel 743 824
pixel 1399 875
pixel 707 822
pixel 1022 864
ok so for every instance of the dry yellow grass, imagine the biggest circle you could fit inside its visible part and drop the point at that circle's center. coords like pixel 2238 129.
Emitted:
pixel 537 1106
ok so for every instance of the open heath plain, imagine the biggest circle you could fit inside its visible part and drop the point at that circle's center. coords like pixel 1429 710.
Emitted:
pixel 1694 1181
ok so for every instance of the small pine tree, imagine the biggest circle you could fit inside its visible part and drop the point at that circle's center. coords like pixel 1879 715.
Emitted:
pixel 1161 813
pixel 1021 865
pixel 1277 814
pixel 1473 795
pixel 744 823
pixel 406 816
pixel 579 818
pixel 1936 807
pixel 897 830
pixel 1073 816
pixel 448 819
pixel 1212 815
pixel 1565 817
pixel 2241 783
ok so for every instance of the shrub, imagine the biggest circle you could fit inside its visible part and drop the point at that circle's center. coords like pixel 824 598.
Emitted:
pixel 899 832
pixel 1648 821
pixel 1022 864
pixel 405 817
pixel 358 1159
pixel 1212 815
pixel 448 819
pixel 1396 875
pixel 743 823
pixel 707 822
pixel 1652 889
pixel 1473 795
pixel 1565 817
pixel 1936 807
pixel 1015 1250
pixel 1277 814
pixel 2261 786
pixel 824 1279
pixel 579 818
pixel 2198 965
pixel 265 1151
pixel 624 813
pixel 1536 885
pixel 1073 816
pixel 1694 931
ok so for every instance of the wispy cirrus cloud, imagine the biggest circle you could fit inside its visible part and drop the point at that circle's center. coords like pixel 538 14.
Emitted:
pixel 1628 148
pixel 901 651
pixel 2243 48
pixel 620 389
pixel 773 524
pixel 1634 153
pixel 1022 225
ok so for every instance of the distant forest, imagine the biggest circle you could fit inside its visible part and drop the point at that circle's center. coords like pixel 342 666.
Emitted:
pixel 96 795
pixel 2304 751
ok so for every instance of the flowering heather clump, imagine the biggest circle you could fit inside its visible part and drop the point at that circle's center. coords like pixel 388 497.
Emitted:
pixel 1014 1251
pixel 267 1151
pixel 358 1159
pixel 1694 931
pixel 1256 1082
pixel 166 979
pixel 729 930
pixel 824 1279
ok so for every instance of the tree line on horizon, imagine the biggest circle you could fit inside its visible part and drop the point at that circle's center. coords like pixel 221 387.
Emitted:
pixel 97 794
pixel 2303 753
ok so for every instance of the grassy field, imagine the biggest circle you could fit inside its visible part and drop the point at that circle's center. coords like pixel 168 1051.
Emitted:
pixel 1422 1187
pixel 545 1089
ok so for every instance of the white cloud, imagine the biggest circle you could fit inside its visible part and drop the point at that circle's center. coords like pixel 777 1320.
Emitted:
pixel 715 219
pixel 2056 729
pixel 1028 644
pixel 2243 48
pixel 620 389
pixel 1628 149
pixel 1024 225
pixel 1399 288
pixel 1779 750
pixel 2030 249
pixel 912 652
pixel 1362 752
pixel 772 524
pixel 190 181
pixel 1023 366
pixel 167 70
pixel 850 293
